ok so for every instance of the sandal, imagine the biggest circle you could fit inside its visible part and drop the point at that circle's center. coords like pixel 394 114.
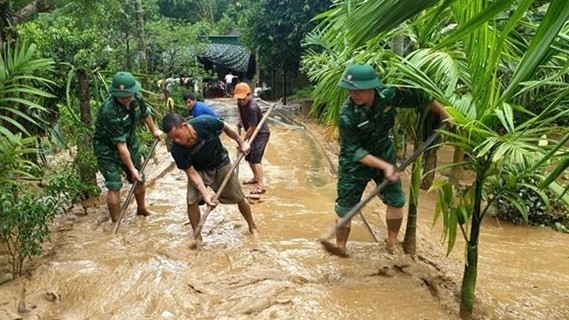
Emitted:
pixel 250 181
pixel 258 190
pixel 253 196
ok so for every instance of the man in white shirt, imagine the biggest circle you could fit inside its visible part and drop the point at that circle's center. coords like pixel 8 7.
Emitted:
pixel 228 83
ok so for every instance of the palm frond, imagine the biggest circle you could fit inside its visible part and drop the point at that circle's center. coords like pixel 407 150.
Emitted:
pixel 556 17
pixel 19 93
pixel 386 14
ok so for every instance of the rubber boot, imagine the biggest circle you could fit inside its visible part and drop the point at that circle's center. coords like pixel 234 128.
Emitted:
pixel 393 226
pixel 342 235
pixel 114 211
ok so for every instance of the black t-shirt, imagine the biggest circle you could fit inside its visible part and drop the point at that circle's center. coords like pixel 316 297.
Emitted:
pixel 251 115
pixel 208 152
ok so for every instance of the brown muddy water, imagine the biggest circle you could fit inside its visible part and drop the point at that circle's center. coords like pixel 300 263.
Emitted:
pixel 148 271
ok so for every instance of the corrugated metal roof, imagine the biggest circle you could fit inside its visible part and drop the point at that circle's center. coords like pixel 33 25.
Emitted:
pixel 231 56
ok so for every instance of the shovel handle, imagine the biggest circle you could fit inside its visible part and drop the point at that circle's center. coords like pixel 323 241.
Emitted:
pixel 131 192
pixel 344 220
pixel 240 156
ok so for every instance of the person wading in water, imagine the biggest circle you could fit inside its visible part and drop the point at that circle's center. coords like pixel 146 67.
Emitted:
pixel 366 151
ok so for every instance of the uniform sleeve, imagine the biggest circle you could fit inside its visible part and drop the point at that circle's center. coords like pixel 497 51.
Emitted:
pixel 407 97
pixel 115 128
pixel 351 139
pixel 144 108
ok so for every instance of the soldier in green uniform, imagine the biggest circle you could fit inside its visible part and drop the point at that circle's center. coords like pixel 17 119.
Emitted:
pixel 115 142
pixel 366 151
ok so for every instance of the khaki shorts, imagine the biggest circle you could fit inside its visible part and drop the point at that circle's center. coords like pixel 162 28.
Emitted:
pixel 213 178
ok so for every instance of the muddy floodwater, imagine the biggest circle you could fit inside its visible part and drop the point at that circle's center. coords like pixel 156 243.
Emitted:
pixel 148 271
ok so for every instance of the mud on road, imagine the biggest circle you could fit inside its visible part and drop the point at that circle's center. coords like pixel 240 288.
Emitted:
pixel 148 271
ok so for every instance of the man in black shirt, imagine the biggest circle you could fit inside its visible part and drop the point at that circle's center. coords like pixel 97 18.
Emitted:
pixel 198 151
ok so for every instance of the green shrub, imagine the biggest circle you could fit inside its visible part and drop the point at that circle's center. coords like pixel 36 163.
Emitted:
pixel 302 93
pixel 26 210
pixel 520 200
pixel 65 185
pixel 25 216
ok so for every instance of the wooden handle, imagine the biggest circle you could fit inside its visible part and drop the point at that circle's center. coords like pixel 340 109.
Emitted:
pixel 230 172
pixel 131 192
pixel 344 220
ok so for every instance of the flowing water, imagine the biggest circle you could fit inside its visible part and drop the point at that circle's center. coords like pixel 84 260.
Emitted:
pixel 148 271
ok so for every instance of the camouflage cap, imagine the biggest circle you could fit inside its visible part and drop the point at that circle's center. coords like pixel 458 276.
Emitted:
pixel 359 76
pixel 124 85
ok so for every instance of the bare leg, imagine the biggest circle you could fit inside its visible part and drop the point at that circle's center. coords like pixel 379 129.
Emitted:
pixel 139 195
pixel 245 210
pixel 194 215
pixel 114 204
pixel 257 169
pixel 393 219
pixel 342 235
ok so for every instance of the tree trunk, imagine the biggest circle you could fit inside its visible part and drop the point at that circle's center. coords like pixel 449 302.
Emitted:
pixel 429 165
pixel 471 267
pixel 141 38
pixel 398 45
pixel 284 87
pixel 9 20
pixel 257 67
pixel 431 123
pixel 273 85
pixel 469 279
pixel 127 54
pixel 84 97
pixel 86 169
pixel 456 171
pixel 32 9
pixel 207 11
pixel 410 239
pixel 8 33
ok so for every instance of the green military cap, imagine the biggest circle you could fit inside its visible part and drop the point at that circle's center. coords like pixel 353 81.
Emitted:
pixel 359 76
pixel 124 85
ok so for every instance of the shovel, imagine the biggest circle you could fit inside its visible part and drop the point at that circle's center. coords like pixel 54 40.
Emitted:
pixel 131 192
pixel 240 156
pixel 325 239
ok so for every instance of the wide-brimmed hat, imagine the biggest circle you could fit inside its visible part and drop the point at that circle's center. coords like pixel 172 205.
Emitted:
pixel 124 85
pixel 359 76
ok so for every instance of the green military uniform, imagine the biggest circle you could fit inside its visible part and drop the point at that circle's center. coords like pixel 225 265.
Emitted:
pixel 115 123
pixel 365 130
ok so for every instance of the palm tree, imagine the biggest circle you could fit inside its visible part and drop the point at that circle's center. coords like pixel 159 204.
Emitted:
pixel 20 109
pixel 478 69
